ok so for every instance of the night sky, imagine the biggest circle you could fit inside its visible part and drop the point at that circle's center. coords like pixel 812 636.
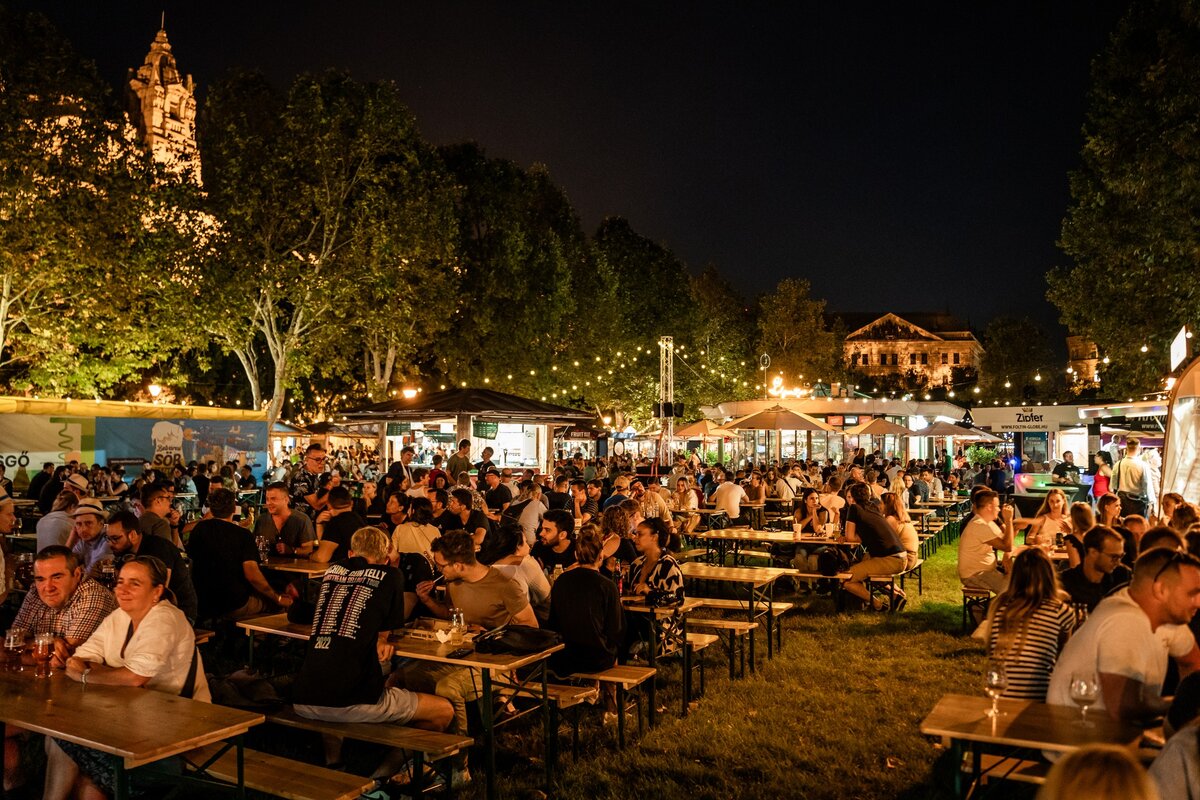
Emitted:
pixel 900 156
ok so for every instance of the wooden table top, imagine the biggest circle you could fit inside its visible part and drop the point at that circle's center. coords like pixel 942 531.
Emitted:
pixel 758 576
pixel 304 566
pixel 138 725
pixel 432 650
pixel 1025 723
pixel 747 535
pixel 633 603
pixel 921 512
pixel 277 624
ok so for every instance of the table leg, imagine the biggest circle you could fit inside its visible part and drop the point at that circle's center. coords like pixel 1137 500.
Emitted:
pixel 121 779
pixel 769 593
pixel 489 736
pixel 250 655
pixel 652 661
pixel 241 767
pixel 750 619
pixel 551 730
pixel 687 666
pixel 976 764
pixel 956 765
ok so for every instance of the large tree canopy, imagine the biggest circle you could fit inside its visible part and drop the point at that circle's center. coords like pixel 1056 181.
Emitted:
pixel 1131 228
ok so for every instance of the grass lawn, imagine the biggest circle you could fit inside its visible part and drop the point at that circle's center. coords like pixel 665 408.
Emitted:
pixel 834 716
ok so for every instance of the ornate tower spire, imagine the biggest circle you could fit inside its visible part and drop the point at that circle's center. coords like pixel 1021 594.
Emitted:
pixel 162 106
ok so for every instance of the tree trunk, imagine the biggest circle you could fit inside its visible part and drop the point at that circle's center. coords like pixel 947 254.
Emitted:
pixel 250 367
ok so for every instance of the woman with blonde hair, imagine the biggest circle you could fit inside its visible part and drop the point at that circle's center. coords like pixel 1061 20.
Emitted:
pixel 896 515
pixel 1049 521
pixel 1028 624
pixel 1098 772
pixel 684 505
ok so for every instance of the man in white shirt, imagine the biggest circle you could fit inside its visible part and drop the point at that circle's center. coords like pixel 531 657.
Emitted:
pixel 1130 480
pixel 728 497
pixel 1126 641
pixel 977 564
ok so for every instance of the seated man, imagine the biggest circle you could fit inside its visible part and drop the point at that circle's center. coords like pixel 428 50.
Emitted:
pixel 290 529
pixel 126 541
pixel 981 538
pixel 556 540
pixel 1127 641
pixel 469 520
pixel 487 598
pixel 885 553
pixel 85 541
pixel 728 497
pixel 335 526
pixel 361 602
pixel 225 565
pixel 1099 571
pixel 66 602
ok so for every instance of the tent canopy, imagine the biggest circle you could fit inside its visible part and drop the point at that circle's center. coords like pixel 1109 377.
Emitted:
pixel 957 431
pixel 778 418
pixel 877 427
pixel 701 429
pixel 484 403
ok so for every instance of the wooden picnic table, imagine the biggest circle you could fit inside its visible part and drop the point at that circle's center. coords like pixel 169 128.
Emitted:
pixel 302 566
pixel 674 634
pixel 1022 724
pixel 408 646
pixel 135 727
pixel 759 583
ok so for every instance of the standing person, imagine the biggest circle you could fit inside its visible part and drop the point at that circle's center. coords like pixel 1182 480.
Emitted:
pixel 486 462
pixel 497 496
pixel 1029 623
pixel 1130 480
pixel 342 677
pixel 981 538
pixel 460 461
pixel 146 643
pixel 1101 474
pixel 310 483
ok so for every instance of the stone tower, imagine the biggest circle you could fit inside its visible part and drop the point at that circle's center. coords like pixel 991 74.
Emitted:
pixel 162 105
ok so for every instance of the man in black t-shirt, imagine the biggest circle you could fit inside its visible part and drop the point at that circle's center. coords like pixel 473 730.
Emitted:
pixel 498 496
pixel 439 499
pixel 556 541
pixel 335 526
pixel 885 552
pixel 1100 571
pixel 560 497
pixel 472 521
pixel 1067 471
pixel 126 541
pixel 361 601
pixel 225 571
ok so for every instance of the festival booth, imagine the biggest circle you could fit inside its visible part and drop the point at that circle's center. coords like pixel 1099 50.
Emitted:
pixel 520 431
pixel 1181 450
pixel 34 431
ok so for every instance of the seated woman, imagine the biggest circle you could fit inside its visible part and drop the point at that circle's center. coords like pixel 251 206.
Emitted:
pixel 617 543
pixel 146 642
pixel 1049 522
pixel 811 516
pixel 585 610
pixel 508 551
pixel 1029 622
pixel 1108 510
pixel 655 570
pixel 895 513
pixel 1082 521
pixel 417 531
pixel 684 504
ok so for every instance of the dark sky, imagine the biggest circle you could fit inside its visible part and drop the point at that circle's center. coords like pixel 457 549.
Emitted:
pixel 902 156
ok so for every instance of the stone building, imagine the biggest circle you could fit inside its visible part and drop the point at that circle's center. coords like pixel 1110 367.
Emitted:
pixel 1083 362
pixel 930 345
pixel 162 106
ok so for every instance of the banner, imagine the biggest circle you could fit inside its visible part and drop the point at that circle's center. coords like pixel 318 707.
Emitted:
pixel 27 441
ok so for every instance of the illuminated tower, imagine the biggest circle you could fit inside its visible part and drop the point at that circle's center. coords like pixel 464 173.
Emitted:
pixel 162 105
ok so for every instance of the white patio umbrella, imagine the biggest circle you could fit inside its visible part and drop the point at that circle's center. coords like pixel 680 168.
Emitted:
pixel 955 430
pixel 877 427
pixel 701 429
pixel 778 418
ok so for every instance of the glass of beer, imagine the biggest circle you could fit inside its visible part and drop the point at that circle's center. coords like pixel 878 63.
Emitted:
pixel 43 649
pixel 14 643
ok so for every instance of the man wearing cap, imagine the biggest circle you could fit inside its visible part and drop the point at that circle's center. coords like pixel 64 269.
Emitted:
pixel 86 541
pixel 497 496
pixel 620 492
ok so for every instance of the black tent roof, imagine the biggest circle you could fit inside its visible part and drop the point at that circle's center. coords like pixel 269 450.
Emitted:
pixel 484 403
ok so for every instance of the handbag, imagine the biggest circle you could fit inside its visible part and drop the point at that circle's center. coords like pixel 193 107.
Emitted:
pixel 516 639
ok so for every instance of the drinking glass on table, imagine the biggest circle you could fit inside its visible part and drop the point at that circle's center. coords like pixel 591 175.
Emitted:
pixel 14 643
pixel 43 649
pixel 1085 690
pixel 458 626
pixel 995 681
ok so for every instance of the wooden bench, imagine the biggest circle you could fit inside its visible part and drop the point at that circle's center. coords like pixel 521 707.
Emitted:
pixel 627 679
pixel 737 631
pixel 692 554
pixel 203 635
pixel 974 599
pixel 1009 768
pixel 562 697
pixel 425 745
pixel 914 570
pixel 697 642
pixel 778 609
pixel 278 776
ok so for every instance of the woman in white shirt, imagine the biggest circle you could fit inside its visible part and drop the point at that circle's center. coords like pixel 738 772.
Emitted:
pixel 684 504
pixel 508 552
pixel 145 643
pixel 417 532
pixel 895 513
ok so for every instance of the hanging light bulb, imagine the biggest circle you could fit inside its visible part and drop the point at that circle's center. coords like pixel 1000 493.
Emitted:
pixel 1007 384
pixel 1145 349
pixel 1105 359
pixel 1037 377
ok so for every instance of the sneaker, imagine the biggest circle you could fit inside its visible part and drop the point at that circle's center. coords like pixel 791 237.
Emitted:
pixel 459 779
pixel 375 794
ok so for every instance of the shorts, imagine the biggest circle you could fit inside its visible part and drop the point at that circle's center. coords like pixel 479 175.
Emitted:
pixel 884 565
pixel 394 705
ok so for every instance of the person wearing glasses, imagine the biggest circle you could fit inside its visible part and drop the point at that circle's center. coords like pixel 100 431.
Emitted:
pixel 127 542
pixel 1100 570
pixel 311 483
pixel 1127 641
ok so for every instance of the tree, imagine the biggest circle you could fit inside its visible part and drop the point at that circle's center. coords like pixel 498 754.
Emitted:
pixel 1016 352
pixel 290 179
pixel 793 332
pixel 87 222
pixel 1130 228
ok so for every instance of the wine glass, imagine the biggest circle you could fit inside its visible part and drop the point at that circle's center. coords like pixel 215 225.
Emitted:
pixel 995 682
pixel 1085 690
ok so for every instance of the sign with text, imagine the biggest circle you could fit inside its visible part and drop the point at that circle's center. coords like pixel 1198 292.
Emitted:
pixel 485 430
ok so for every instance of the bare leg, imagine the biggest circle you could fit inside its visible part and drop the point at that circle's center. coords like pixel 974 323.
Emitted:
pixel 333 747
pixel 88 790
pixel 61 773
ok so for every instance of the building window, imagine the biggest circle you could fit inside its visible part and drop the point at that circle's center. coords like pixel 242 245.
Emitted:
pixel 854 359
pixel 945 356
pixel 894 361
pixel 925 358
pixel 883 359
pixel 956 358
pixel 912 358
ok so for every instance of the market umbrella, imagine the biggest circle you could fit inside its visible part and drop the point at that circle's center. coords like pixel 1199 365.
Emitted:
pixel 877 427
pixel 701 429
pixel 778 418
pixel 955 430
